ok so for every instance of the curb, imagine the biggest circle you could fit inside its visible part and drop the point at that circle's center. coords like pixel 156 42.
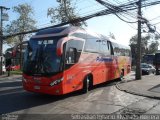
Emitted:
pixel 134 93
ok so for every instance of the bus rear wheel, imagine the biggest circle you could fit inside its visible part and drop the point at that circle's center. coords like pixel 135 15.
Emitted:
pixel 122 75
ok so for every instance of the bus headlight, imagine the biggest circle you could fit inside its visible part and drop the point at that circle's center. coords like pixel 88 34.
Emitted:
pixel 55 82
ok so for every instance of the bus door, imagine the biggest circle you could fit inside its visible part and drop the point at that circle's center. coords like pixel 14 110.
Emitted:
pixel 72 74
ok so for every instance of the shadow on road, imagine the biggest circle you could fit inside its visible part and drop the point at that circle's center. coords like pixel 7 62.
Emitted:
pixel 10 84
pixel 19 99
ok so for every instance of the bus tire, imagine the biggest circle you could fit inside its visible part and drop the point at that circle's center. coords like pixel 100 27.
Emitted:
pixel 122 75
pixel 86 85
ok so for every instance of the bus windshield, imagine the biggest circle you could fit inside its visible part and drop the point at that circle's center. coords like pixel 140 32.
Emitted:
pixel 40 57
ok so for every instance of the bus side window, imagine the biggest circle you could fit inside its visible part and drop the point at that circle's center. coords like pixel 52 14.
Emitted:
pixel 92 45
pixel 110 47
pixel 73 49
pixel 116 50
pixel 104 47
pixel 71 55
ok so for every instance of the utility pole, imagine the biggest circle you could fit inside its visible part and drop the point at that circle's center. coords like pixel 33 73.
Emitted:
pixel 138 60
pixel 1 36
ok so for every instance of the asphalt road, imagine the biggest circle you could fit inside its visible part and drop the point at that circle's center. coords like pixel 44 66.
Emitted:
pixel 103 99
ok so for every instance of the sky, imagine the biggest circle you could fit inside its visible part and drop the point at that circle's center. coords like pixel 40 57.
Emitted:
pixel 104 25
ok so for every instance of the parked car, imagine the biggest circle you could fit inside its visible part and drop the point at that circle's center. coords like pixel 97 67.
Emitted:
pixel 147 69
pixel 12 68
pixel 15 67
pixel 153 70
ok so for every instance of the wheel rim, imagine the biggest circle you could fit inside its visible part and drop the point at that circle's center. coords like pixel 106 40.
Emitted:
pixel 87 84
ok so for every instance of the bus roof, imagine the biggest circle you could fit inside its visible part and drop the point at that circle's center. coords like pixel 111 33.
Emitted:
pixel 51 30
pixel 66 30
pixel 56 31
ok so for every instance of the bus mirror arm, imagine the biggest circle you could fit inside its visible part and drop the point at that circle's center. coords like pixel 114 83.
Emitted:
pixel 59 52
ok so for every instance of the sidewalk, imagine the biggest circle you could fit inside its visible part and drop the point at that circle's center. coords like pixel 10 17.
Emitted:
pixel 148 86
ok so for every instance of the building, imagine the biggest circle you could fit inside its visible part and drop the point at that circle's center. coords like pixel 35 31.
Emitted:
pixel 15 60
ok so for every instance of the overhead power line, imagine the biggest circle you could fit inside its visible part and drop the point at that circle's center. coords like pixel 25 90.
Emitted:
pixel 121 8
pixel 154 18
pixel 113 8
pixel 125 20
pixel 156 23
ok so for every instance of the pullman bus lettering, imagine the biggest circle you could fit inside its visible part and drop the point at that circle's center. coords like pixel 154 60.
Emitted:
pixel 104 59
pixel 61 60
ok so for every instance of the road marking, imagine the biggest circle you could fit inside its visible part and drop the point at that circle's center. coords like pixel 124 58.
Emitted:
pixel 9 88
pixel 22 91
pixel 6 81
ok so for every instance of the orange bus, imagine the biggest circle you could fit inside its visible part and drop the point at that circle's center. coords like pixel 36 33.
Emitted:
pixel 65 59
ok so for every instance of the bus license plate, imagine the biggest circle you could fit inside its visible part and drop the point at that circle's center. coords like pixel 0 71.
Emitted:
pixel 37 87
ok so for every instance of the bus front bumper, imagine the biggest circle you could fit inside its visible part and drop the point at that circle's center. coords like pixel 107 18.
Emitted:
pixel 52 90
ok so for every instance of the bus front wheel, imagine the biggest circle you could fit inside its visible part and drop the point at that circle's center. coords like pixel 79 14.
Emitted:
pixel 86 85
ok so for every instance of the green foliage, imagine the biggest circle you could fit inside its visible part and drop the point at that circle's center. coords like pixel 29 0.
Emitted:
pixel 144 40
pixel 24 22
pixel 146 47
pixel 112 36
pixel 133 40
pixel 15 72
pixel 64 12
pixel 153 47
pixel 157 36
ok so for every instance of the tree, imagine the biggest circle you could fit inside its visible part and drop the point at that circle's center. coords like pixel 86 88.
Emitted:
pixel 23 23
pixel 64 12
pixel 157 36
pixel 153 47
pixel 146 48
pixel 11 29
pixel 112 36
pixel 144 42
